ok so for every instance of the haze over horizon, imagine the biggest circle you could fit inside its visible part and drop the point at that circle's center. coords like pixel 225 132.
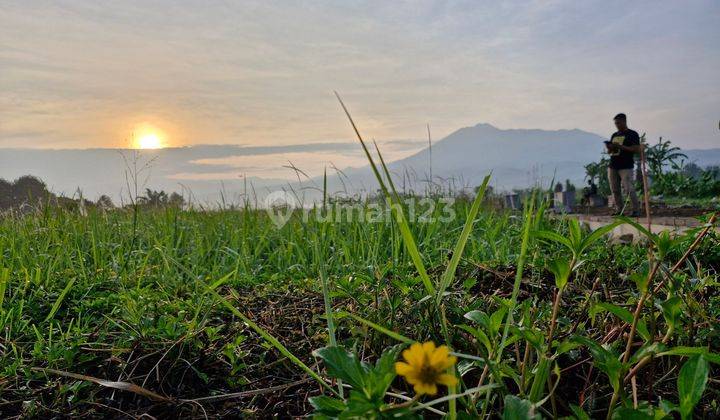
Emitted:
pixel 80 74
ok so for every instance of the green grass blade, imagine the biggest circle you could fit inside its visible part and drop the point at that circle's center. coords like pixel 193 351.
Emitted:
pixel 4 276
pixel 60 299
pixel 408 239
pixel 380 328
pixel 449 274
pixel 396 207
pixel 274 342
pixel 518 273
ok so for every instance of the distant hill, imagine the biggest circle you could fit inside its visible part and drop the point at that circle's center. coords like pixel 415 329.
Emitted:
pixel 102 171
pixel 703 157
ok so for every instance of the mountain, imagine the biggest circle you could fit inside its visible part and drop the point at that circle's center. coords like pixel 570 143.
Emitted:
pixel 703 157
pixel 517 157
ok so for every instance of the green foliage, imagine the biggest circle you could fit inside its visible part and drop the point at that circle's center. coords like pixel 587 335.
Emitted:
pixel 519 409
pixel 369 384
pixel 691 384
pixel 561 270
pixel 83 293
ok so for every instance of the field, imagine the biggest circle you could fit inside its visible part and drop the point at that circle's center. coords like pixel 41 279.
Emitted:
pixel 181 313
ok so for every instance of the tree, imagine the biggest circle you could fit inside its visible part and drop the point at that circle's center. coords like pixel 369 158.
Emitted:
pixel 597 173
pixel 176 200
pixel 28 189
pixel 660 155
pixel 691 170
pixel 6 194
pixel 154 198
pixel 569 186
pixel 104 202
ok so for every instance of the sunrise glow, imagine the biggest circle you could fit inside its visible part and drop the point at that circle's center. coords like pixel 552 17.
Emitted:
pixel 149 141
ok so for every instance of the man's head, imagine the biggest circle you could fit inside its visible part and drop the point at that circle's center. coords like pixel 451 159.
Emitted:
pixel 620 121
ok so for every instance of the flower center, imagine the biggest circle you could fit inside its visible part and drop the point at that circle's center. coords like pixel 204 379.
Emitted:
pixel 428 374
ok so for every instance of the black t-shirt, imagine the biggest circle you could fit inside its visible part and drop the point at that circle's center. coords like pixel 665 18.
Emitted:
pixel 622 159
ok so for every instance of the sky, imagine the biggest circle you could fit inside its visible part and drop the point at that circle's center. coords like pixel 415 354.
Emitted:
pixel 96 74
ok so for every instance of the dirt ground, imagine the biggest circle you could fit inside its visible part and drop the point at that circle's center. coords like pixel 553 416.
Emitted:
pixel 656 210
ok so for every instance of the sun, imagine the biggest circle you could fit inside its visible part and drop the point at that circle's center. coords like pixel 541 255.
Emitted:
pixel 149 141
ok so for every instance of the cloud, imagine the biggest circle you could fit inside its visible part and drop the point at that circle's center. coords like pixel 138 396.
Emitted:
pixel 262 72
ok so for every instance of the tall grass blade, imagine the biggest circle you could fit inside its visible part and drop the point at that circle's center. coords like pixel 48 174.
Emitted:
pixel 449 274
pixel 527 223
pixel 274 342
pixel 4 276
pixel 395 206
pixel 408 238
pixel 60 299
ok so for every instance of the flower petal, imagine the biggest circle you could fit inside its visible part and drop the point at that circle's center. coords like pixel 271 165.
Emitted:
pixel 428 347
pixel 447 379
pixel 439 356
pixel 431 389
pixel 403 369
pixel 447 363
pixel 413 379
pixel 419 388
pixel 414 355
pixel 423 388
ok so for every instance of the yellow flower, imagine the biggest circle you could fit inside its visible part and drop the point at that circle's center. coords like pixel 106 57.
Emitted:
pixel 426 366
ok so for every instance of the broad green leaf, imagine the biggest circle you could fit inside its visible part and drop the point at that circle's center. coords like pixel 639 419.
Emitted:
pixel 358 406
pixel 648 349
pixel 535 337
pixel 342 365
pixel 604 359
pixel 692 351
pixel 598 234
pixel 575 233
pixel 641 279
pixel 327 405
pixel 383 373
pixel 664 244
pixel 552 236
pixel 640 228
pixel 579 413
pixel 479 317
pixel 479 336
pixel 560 267
pixel 626 413
pixel 542 371
pixel 518 409
pixel 565 346
pixel 691 384
pixel 672 310
pixel 627 317
pixel 496 320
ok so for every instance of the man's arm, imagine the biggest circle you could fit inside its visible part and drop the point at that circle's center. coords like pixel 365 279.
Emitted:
pixel 633 145
pixel 632 149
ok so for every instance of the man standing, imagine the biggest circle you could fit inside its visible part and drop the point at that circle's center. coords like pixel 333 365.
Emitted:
pixel 622 147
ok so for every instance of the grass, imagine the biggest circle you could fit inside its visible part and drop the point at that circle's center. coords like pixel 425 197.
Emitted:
pixel 85 295
pixel 170 313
